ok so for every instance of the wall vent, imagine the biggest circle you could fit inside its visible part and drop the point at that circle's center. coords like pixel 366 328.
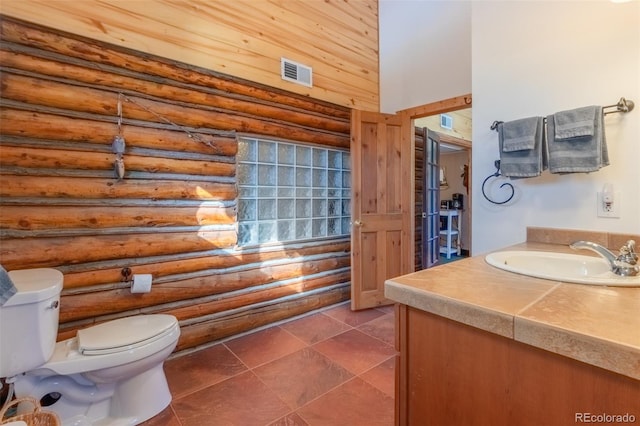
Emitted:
pixel 446 121
pixel 296 73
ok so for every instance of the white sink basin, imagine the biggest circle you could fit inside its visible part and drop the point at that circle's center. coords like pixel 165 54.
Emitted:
pixel 571 268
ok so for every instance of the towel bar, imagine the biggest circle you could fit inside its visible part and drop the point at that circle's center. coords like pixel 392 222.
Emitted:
pixel 623 105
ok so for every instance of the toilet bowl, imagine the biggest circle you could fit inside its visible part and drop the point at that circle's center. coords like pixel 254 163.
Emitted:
pixel 108 374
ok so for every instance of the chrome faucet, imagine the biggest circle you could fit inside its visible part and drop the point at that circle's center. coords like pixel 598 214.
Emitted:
pixel 624 264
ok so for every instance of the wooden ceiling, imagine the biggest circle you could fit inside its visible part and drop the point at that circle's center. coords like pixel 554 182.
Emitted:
pixel 461 124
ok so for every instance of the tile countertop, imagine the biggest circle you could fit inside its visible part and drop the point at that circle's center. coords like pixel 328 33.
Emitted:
pixel 594 324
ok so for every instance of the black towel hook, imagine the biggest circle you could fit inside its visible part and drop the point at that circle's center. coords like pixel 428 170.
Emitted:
pixel 497 174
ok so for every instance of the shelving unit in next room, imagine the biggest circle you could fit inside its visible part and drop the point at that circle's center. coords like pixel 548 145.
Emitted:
pixel 450 235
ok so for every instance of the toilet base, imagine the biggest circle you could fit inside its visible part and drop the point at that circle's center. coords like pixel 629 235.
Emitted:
pixel 142 396
pixel 128 402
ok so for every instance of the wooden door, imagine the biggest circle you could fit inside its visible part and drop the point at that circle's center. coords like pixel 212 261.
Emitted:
pixel 377 237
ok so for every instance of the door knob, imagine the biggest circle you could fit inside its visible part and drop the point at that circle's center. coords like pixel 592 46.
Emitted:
pixel 357 222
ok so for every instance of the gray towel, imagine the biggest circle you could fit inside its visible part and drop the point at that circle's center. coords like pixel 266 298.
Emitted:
pixel 7 288
pixel 525 162
pixel 578 154
pixel 519 134
pixel 575 123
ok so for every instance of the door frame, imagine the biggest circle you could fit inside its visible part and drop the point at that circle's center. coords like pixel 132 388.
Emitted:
pixel 408 144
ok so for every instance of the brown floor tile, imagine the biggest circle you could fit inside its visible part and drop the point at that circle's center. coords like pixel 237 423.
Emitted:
pixel 302 376
pixel 263 346
pixel 242 400
pixel 382 376
pixel 387 309
pixel 165 418
pixel 355 351
pixel 192 372
pixel 382 328
pixel 315 328
pixel 298 374
pixel 290 420
pixel 353 318
pixel 355 403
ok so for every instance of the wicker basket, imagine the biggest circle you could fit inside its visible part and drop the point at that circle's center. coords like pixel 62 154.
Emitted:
pixel 35 418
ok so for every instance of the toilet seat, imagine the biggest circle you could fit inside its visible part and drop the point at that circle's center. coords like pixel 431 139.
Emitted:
pixel 68 359
pixel 123 334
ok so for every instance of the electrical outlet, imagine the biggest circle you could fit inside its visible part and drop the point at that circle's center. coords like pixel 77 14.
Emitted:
pixel 614 209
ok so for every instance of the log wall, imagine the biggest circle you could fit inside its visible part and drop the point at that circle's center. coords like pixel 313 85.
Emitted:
pixel 64 99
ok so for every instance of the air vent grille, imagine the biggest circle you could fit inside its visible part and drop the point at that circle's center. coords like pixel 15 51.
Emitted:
pixel 446 121
pixel 296 73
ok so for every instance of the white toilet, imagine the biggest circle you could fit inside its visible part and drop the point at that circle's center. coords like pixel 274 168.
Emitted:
pixel 109 374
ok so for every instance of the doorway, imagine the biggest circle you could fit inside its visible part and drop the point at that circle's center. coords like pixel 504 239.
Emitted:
pixel 442 217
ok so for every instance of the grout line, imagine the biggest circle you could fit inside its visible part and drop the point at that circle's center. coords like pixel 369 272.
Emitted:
pixel 389 314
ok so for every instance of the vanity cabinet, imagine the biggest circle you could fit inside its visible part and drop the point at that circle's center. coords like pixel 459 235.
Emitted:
pixel 449 373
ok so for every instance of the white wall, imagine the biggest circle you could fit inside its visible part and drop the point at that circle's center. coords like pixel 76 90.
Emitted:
pixel 453 163
pixel 536 58
pixel 524 58
pixel 425 52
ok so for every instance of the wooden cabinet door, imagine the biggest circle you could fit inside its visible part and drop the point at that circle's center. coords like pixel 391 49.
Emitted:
pixel 377 237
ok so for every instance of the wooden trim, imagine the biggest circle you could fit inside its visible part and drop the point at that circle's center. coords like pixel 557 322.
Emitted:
pixel 452 140
pixel 439 107
pixel 408 147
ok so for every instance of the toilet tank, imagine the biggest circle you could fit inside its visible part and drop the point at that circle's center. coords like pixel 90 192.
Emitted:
pixel 29 320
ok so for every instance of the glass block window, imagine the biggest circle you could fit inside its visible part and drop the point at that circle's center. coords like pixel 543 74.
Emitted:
pixel 290 192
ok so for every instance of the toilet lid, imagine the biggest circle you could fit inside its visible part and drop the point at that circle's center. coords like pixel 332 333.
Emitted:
pixel 123 333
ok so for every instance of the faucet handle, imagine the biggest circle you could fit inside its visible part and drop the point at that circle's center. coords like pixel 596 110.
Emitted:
pixel 628 253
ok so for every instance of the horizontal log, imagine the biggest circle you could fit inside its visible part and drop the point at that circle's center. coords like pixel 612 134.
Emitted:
pixel 203 96
pixel 248 319
pixel 6 234
pixel 79 306
pixel 53 158
pixel 51 252
pixel 111 174
pixel 69 187
pixel 22 33
pixel 69 217
pixel 204 309
pixel 37 125
pixel 242 320
pixel 33 91
pixel 116 203
pixel 96 274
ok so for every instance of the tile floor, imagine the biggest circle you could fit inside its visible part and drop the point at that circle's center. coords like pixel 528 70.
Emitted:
pixel 334 367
